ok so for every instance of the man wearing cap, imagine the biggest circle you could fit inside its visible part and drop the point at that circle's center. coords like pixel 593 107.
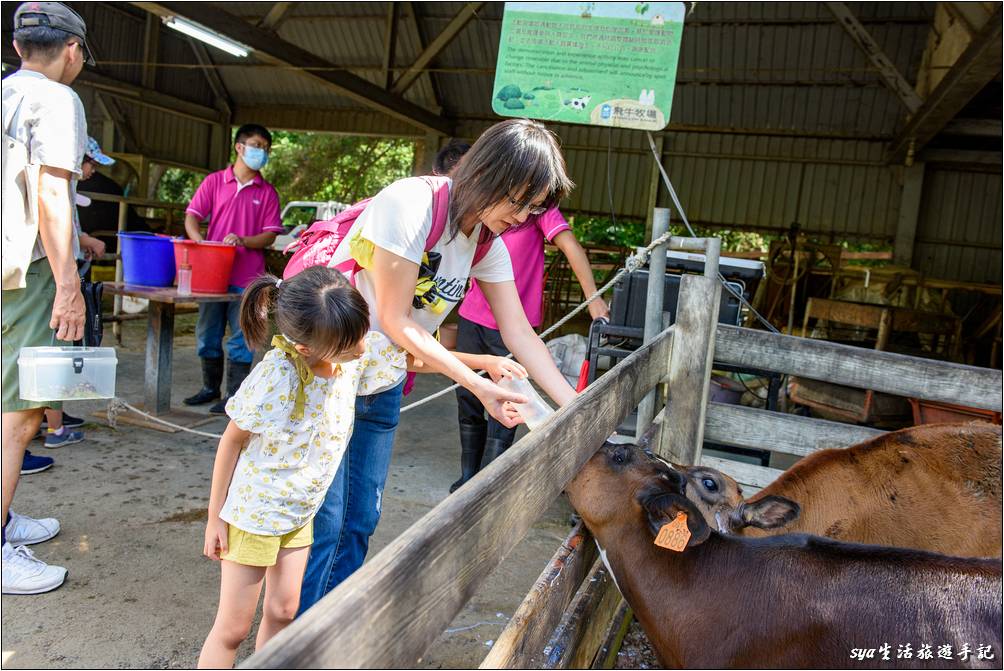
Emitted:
pixel 44 138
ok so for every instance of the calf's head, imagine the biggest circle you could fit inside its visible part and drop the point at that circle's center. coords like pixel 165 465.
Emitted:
pixel 621 487
pixel 720 500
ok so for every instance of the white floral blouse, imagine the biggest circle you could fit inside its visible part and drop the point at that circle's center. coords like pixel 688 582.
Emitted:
pixel 284 471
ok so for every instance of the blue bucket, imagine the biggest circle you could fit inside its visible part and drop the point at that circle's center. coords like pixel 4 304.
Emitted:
pixel 147 259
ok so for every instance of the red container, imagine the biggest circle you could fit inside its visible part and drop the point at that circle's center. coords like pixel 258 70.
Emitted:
pixel 933 412
pixel 211 264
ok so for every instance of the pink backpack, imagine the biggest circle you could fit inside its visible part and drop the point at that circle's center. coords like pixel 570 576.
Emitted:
pixel 317 244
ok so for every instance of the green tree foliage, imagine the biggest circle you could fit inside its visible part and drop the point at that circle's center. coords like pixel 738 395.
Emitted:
pixel 177 185
pixel 319 166
pixel 315 166
pixel 604 232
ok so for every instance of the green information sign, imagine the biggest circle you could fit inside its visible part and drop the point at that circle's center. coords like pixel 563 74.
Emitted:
pixel 595 63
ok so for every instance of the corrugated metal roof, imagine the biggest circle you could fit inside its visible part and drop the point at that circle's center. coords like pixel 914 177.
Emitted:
pixel 777 116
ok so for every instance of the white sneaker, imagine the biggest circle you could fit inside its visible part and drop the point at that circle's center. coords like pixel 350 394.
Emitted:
pixel 23 574
pixel 22 530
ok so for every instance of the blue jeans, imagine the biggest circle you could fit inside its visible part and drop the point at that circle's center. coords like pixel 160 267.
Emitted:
pixel 212 324
pixel 351 508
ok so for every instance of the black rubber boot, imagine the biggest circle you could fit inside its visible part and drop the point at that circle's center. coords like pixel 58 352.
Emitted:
pixel 494 447
pixel 472 446
pixel 236 372
pixel 212 377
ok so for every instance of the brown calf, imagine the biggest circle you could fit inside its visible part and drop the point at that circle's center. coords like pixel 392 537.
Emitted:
pixel 935 487
pixel 791 601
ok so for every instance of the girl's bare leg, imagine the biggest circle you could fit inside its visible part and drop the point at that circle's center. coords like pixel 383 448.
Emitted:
pixel 240 587
pixel 282 592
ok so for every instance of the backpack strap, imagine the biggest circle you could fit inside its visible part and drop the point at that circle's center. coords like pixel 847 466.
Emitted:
pixel 482 251
pixel 440 208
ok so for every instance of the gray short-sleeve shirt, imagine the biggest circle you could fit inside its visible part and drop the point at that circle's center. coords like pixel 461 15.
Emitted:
pixel 48 118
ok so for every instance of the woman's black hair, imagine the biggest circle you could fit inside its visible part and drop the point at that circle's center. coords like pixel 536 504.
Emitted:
pixel 317 307
pixel 517 159
pixel 449 156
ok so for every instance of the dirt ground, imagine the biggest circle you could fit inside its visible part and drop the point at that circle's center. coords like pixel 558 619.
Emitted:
pixel 132 501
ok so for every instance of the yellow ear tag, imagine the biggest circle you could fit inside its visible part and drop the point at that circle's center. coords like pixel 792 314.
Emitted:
pixel 674 535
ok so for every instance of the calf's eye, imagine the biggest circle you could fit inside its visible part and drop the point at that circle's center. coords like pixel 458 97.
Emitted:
pixel 710 484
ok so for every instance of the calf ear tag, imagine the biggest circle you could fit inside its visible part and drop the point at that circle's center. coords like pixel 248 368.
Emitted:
pixel 674 535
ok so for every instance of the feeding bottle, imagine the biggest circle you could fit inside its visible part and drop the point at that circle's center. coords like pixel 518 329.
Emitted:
pixel 536 411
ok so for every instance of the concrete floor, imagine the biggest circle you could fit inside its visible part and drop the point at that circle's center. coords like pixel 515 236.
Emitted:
pixel 131 503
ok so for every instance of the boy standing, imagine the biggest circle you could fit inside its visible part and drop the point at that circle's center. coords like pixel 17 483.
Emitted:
pixel 44 135
pixel 243 210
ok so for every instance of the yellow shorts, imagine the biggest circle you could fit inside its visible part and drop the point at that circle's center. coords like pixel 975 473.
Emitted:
pixel 251 549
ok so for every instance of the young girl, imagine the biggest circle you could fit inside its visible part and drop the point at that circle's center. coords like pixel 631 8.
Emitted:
pixel 289 425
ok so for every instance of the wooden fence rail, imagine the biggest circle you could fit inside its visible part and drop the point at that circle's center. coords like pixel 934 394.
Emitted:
pixel 897 374
pixel 388 612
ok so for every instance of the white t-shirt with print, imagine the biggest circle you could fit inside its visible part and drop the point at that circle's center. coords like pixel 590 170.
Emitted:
pixel 283 473
pixel 398 220
pixel 48 118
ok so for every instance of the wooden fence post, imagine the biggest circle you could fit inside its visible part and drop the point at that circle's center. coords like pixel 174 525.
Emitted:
pixel 682 431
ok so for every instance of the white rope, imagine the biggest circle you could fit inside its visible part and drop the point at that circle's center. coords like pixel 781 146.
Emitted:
pixel 117 406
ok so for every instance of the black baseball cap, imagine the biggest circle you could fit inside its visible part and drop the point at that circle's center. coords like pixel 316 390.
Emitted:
pixel 53 15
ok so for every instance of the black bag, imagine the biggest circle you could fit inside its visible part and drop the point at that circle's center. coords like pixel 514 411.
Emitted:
pixel 94 327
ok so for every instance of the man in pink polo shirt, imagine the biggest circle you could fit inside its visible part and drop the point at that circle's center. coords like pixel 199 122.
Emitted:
pixel 243 210
pixel 483 440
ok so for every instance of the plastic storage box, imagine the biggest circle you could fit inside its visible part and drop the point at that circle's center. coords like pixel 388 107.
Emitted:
pixel 66 373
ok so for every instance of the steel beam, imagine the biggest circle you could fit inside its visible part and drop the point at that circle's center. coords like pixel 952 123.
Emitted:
pixel 269 47
pixel 975 68
pixel 452 29
pixel 890 74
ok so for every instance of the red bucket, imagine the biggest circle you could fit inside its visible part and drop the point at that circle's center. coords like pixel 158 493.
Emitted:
pixel 211 264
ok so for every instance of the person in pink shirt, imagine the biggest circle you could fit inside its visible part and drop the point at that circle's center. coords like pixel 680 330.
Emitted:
pixel 483 440
pixel 243 210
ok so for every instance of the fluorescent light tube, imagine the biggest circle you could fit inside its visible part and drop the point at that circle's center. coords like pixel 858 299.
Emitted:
pixel 210 37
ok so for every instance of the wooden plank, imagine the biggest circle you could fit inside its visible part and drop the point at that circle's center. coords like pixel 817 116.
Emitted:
pixel 606 656
pixel 856 367
pixel 751 428
pixel 580 632
pixel 682 431
pixel 533 623
pixel 166 294
pixel 597 626
pixel 159 344
pixel 845 312
pixel 388 612
pixel 891 76
pixel 743 473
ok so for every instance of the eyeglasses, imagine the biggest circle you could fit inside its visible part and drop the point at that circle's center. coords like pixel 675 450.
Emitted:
pixel 535 210
pixel 268 150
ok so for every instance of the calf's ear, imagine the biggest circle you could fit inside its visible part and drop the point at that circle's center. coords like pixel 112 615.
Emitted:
pixel 662 508
pixel 769 512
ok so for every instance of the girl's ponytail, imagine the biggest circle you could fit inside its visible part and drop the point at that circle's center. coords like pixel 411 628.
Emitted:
pixel 256 305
